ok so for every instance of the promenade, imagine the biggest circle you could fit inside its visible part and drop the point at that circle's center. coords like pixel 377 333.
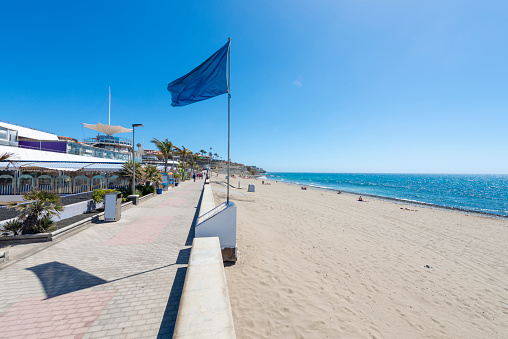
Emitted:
pixel 112 280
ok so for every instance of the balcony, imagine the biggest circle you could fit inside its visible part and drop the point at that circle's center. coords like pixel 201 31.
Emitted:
pixel 107 140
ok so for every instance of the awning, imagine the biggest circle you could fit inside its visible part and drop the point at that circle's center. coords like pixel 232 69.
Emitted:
pixel 108 129
pixel 60 166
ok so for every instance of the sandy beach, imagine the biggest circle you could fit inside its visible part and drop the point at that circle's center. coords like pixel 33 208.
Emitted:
pixel 316 264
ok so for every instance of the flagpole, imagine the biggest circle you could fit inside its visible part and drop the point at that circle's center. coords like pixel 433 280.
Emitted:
pixel 229 110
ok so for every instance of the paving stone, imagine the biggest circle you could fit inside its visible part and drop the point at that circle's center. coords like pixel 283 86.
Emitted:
pixel 112 279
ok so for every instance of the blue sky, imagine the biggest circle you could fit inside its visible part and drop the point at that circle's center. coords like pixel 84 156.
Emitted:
pixel 317 86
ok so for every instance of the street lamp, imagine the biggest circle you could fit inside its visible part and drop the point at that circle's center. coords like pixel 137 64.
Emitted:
pixel 210 166
pixel 133 160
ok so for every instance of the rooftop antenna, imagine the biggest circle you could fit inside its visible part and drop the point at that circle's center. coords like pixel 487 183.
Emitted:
pixel 109 121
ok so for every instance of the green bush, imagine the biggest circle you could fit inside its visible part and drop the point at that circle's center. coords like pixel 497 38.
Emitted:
pixel 13 226
pixel 145 189
pixel 126 191
pixel 42 205
pixel 45 224
pixel 98 194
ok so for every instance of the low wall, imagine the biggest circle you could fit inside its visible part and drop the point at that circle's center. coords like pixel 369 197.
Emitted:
pixel 77 208
pixel 218 222
pixel 207 201
pixel 205 310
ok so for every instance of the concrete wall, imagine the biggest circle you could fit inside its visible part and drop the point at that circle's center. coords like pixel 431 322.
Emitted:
pixel 220 223
pixel 205 310
pixel 77 208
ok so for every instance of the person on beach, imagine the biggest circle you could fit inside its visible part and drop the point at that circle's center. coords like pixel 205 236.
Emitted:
pixel 360 198
pixel 194 177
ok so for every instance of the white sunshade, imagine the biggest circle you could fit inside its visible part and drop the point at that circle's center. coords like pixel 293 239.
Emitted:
pixel 108 129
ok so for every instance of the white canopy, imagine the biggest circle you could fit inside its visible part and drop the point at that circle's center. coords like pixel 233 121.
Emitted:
pixel 108 129
pixel 61 166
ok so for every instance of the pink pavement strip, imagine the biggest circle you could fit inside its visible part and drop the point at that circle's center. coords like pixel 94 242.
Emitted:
pixel 182 192
pixel 144 230
pixel 172 202
pixel 66 316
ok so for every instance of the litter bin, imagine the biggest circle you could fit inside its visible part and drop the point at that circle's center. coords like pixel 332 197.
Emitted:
pixel 112 206
pixel 252 188
pixel 159 190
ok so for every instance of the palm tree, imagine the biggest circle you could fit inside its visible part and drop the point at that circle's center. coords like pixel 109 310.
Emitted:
pixel 5 156
pixel 126 171
pixel 203 152
pixel 152 174
pixel 192 164
pixel 35 215
pixel 183 153
pixel 166 149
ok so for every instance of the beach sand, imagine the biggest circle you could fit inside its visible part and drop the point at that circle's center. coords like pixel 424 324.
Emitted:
pixel 316 264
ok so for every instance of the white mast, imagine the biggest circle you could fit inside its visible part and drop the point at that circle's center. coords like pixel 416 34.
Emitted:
pixel 109 121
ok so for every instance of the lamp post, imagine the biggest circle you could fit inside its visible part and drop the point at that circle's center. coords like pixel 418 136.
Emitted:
pixel 210 166
pixel 133 160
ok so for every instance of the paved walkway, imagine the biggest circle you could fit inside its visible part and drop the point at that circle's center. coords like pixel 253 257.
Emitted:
pixel 112 280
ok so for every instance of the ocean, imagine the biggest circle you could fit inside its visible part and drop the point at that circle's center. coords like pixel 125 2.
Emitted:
pixel 478 193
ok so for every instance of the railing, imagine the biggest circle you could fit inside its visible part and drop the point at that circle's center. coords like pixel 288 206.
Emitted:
pixel 6 190
pixel 109 141
pixel 86 150
pixel 24 188
pixel 111 186
pixel 63 189
pixel 59 189
pixel 48 188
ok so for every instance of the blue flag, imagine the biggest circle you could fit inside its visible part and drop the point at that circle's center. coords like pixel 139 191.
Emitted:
pixel 206 81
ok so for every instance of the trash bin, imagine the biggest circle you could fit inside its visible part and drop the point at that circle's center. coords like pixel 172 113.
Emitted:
pixel 252 188
pixel 112 206
pixel 159 190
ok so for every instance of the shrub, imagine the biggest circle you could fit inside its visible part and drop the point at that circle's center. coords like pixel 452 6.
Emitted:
pixel 13 226
pixel 98 194
pixel 145 189
pixel 45 224
pixel 43 205
pixel 126 191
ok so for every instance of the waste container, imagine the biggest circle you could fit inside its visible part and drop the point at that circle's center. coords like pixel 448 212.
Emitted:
pixel 159 190
pixel 112 206
pixel 252 188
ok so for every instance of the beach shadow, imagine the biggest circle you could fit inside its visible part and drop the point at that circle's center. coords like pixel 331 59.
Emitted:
pixel 57 278
pixel 192 231
pixel 183 256
pixel 169 319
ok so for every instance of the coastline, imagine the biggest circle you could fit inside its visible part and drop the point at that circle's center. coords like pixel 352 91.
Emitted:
pixel 317 264
pixel 396 200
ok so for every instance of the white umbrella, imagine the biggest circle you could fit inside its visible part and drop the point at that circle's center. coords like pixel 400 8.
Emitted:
pixel 107 129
